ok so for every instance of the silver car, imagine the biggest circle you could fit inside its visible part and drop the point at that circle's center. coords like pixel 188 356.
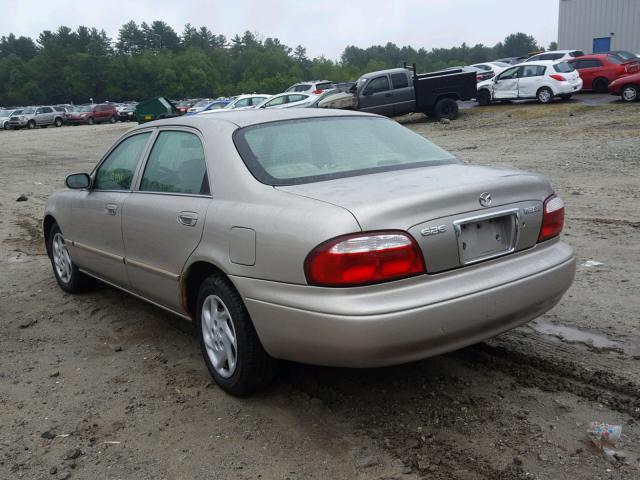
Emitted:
pixel 319 236
pixel 32 117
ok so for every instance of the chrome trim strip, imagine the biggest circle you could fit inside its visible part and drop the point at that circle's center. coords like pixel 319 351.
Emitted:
pixel 514 212
pixel 97 251
pixel 159 271
pixel 137 295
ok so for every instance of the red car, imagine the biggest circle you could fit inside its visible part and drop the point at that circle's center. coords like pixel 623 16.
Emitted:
pixel 628 87
pixel 184 105
pixel 91 114
pixel 599 70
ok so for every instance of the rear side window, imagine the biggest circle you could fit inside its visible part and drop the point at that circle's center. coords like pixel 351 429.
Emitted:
pixel 315 149
pixel 116 172
pixel 378 84
pixel 589 63
pixel 276 101
pixel 563 67
pixel 532 70
pixel 45 110
pixel 399 80
pixel 176 164
pixel 576 53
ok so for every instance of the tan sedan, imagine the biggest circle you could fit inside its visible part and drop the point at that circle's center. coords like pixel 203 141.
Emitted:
pixel 319 236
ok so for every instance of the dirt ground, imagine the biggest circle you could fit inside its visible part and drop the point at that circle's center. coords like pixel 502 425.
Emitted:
pixel 104 386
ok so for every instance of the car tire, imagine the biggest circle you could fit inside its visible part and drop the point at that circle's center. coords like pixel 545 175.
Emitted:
pixel 483 98
pixel 600 85
pixel 445 108
pixel 31 124
pixel 544 95
pixel 630 93
pixel 225 330
pixel 6 126
pixel 67 274
pixel 113 120
pixel 57 122
pixel 91 121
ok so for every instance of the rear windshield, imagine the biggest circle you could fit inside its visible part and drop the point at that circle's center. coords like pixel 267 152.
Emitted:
pixel 299 88
pixel 5 113
pixel 576 53
pixel 324 86
pixel 315 149
pixel 563 67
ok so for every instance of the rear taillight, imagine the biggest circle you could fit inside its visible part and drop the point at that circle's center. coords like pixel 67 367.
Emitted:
pixel 317 91
pixel 557 77
pixel 552 218
pixel 363 258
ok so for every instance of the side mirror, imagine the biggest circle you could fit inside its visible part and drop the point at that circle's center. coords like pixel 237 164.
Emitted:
pixel 78 181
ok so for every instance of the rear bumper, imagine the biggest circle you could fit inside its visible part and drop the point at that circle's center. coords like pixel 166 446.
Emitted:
pixel 410 319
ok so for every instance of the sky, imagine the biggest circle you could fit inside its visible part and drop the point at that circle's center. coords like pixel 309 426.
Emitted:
pixel 324 27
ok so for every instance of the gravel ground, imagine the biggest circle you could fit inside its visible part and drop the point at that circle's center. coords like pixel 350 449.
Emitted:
pixel 104 386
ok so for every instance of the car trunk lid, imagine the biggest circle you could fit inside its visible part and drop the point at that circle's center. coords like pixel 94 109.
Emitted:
pixel 441 208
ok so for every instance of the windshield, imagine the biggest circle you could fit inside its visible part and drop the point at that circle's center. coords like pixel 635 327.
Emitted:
pixel 217 106
pixel 625 55
pixel 202 103
pixel 615 59
pixel 5 113
pixel 84 108
pixel 563 67
pixel 29 111
pixel 316 149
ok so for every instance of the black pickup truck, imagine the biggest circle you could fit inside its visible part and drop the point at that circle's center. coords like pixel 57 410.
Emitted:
pixel 399 91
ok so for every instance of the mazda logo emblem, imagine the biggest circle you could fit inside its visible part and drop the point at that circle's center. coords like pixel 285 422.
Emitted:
pixel 485 199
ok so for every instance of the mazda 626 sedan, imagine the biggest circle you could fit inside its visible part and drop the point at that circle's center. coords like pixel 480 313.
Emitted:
pixel 318 236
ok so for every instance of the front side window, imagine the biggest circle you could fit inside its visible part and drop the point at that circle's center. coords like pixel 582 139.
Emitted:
pixel 509 74
pixel 176 164
pixel 296 98
pixel 315 149
pixel 615 59
pixel 378 84
pixel 242 103
pixel 276 101
pixel 116 172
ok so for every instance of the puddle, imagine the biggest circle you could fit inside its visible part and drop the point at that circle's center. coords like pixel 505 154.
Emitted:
pixel 575 335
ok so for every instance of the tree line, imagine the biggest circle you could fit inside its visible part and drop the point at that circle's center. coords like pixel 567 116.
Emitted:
pixel 147 60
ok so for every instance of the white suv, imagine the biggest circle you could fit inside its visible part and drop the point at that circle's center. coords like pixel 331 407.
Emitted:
pixel 531 80
pixel 555 55
pixel 315 87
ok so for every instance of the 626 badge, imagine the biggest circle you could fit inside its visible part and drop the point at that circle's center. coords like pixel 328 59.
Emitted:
pixel 426 232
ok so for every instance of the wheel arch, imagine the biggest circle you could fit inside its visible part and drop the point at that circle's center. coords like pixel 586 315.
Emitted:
pixel 192 278
pixel 47 224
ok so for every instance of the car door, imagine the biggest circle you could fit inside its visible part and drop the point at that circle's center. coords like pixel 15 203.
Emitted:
pixel 529 80
pixel 376 96
pixel 163 218
pixel 506 84
pixel 96 213
pixel 403 94
pixel 589 69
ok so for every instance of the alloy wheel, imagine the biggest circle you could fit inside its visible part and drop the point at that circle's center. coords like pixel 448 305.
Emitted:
pixel 219 336
pixel 629 93
pixel 61 259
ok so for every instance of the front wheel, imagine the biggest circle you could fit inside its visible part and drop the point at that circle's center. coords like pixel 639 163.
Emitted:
pixel 58 122
pixel 68 276
pixel 91 121
pixel 230 345
pixel 544 95
pixel 483 98
pixel 630 93
pixel 31 125
pixel 600 85
pixel 113 120
pixel 446 108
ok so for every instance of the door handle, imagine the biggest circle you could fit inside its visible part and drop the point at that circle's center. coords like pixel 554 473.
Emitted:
pixel 111 208
pixel 188 219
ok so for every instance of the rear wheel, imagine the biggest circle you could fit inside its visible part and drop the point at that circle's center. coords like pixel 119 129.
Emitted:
pixel 446 108
pixel 630 93
pixel 483 98
pixel 600 85
pixel 544 95
pixel 90 121
pixel 67 274
pixel 230 345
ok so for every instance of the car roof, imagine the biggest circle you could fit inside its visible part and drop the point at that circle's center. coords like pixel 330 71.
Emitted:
pixel 245 118
pixel 384 72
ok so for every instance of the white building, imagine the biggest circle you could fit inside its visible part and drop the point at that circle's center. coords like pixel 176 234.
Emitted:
pixel 599 25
